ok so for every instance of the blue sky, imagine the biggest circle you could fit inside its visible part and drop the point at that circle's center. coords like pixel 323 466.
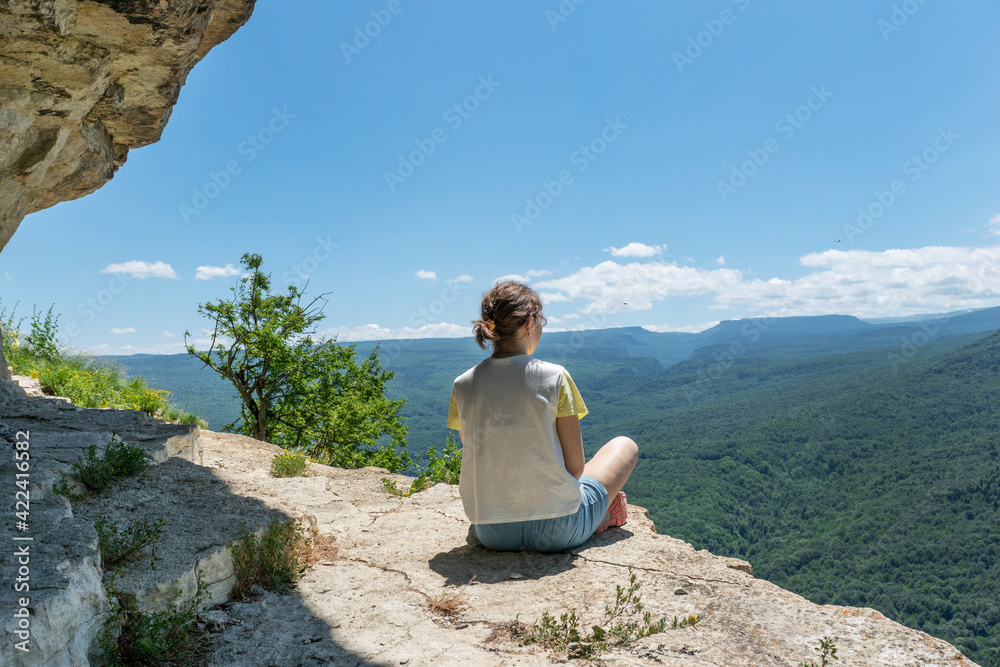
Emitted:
pixel 668 165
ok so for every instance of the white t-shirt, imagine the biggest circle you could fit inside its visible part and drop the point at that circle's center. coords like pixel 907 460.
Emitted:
pixel 512 462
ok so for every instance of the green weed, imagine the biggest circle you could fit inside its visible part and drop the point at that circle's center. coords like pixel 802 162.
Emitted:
pixel 289 464
pixel 827 651
pixel 42 338
pixel 273 562
pixel 130 637
pixel 97 472
pixel 624 622
pixel 124 546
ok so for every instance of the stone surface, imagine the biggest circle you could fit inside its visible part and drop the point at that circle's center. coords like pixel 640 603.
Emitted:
pixel 31 386
pixel 67 599
pixel 370 597
pixel 371 603
pixel 82 82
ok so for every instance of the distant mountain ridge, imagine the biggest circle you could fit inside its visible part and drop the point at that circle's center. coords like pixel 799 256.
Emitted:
pixel 852 462
pixel 200 390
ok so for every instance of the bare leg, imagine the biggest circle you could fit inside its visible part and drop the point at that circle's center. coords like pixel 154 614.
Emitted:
pixel 613 463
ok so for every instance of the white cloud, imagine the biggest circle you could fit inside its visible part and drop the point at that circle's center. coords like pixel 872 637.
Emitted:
pixel 8 276
pixel 994 225
pixel 209 272
pixel 464 278
pixel 377 332
pixel 126 330
pixel 636 250
pixel 426 275
pixel 139 269
pixel 854 282
pixel 720 260
pixel 516 277
pixel 167 334
pixel 552 297
pixel 611 287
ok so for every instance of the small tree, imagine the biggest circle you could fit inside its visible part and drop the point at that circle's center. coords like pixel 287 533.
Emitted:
pixel 298 392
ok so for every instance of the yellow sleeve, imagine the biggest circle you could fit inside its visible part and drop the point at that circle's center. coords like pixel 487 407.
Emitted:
pixel 570 401
pixel 454 421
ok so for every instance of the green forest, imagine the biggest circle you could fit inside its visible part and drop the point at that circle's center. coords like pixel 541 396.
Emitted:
pixel 852 464
pixel 841 478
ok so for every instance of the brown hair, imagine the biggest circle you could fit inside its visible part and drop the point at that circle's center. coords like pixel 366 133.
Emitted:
pixel 505 310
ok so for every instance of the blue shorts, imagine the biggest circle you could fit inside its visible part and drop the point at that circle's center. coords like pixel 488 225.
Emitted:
pixel 557 534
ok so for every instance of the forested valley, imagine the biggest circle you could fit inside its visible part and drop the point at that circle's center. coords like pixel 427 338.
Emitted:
pixel 854 464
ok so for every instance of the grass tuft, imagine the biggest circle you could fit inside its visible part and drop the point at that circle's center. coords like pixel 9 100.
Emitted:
pixel 274 561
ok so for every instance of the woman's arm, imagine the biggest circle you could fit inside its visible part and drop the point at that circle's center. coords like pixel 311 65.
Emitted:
pixel 571 440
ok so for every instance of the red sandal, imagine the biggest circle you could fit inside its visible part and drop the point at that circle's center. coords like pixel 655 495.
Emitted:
pixel 617 513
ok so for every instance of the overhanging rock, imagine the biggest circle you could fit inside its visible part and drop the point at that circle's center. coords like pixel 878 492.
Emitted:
pixel 82 82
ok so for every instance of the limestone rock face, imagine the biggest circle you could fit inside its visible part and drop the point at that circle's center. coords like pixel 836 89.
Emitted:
pixel 82 82
pixel 52 561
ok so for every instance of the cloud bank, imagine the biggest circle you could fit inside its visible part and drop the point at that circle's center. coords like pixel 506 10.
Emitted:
pixel 852 282
pixel 139 269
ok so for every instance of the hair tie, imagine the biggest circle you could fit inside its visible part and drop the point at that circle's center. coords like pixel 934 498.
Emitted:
pixel 490 325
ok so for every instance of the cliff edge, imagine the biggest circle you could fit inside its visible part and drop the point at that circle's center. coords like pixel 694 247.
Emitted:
pixel 373 596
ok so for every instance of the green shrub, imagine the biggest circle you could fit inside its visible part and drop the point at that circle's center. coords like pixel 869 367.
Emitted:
pixel 124 459
pixel 827 651
pixel 289 464
pixel 97 472
pixel 272 562
pixel 130 637
pixel 94 471
pixel 42 338
pixel 124 546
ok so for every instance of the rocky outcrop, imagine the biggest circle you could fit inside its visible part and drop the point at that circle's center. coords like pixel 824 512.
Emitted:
pixel 84 81
pixel 397 580
pixel 52 561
